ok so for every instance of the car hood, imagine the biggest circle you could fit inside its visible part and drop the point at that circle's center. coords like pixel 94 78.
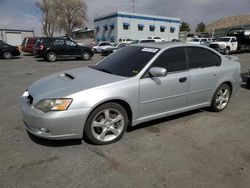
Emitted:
pixel 65 83
pixel 221 42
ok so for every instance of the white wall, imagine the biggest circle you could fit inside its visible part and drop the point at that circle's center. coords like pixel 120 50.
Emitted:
pixel 133 32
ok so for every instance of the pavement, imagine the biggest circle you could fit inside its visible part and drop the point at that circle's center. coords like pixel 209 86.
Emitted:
pixel 194 149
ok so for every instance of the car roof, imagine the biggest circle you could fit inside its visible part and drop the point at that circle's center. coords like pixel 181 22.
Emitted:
pixel 164 45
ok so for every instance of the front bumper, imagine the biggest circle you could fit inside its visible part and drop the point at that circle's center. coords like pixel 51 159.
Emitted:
pixel 58 125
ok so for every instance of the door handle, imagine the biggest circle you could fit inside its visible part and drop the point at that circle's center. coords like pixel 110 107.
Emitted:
pixel 184 79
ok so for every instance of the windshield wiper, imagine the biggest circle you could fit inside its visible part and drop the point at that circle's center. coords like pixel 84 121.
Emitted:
pixel 100 69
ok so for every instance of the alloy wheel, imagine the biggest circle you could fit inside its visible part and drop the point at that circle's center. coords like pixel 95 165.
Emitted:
pixel 222 98
pixel 107 125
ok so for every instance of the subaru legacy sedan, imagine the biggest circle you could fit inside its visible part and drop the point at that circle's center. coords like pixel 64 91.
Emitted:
pixel 138 83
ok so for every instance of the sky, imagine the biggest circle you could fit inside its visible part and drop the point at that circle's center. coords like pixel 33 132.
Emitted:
pixel 23 14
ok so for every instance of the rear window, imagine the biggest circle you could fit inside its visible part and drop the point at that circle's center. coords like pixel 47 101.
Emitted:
pixel 31 41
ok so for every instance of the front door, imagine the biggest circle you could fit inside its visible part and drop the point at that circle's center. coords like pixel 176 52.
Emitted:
pixel 72 48
pixel 159 95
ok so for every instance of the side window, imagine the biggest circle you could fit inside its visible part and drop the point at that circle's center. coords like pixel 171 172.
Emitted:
pixel 201 58
pixel 173 60
pixel 203 40
pixel 70 43
pixel 59 42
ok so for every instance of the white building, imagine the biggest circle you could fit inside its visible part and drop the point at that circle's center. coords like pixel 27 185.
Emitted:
pixel 117 25
pixel 15 36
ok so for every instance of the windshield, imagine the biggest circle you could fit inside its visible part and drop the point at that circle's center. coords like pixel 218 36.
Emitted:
pixel 127 61
pixel 223 39
pixel 134 41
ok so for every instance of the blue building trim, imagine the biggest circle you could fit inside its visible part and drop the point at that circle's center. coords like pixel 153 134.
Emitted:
pixel 136 17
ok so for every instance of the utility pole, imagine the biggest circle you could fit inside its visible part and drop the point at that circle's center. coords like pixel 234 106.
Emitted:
pixel 133 5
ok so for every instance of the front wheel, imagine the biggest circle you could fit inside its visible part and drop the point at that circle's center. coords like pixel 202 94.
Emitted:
pixel 221 98
pixel 227 51
pixel 106 124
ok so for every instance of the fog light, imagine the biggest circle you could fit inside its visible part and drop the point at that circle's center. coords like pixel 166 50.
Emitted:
pixel 44 130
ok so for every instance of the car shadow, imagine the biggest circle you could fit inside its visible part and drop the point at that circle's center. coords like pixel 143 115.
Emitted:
pixel 54 143
pixel 165 119
pixel 27 54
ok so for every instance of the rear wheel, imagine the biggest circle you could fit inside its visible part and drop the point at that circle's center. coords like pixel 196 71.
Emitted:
pixel 86 56
pixel 221 98
pixel 106 124
pixel 51 57
pixel 7 55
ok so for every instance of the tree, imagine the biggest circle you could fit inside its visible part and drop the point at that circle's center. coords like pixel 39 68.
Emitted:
pixel 184 27
pixel 62 15
pixel 72 14
pixel 49 16
pixel 201 28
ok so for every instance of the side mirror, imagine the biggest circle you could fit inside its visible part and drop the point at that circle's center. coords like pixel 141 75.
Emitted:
pixel 158 72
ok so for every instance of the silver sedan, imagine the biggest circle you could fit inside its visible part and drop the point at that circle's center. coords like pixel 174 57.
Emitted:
pixel 136 84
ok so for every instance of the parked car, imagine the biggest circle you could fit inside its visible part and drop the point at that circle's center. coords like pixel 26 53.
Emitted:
pixel 157 39
pixel 101 46
pixel 125 40
pixel 237 40
pixel 7 51
pixel 53 48
pixel 109 51
pixel 28 44
pixel 136 84
pixel 202 41
pixel 142 41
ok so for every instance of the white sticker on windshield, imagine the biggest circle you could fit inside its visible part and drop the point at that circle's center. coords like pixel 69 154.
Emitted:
pixel 151 50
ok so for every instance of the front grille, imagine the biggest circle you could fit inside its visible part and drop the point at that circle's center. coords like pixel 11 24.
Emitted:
pixel 215 46
pixel 29 99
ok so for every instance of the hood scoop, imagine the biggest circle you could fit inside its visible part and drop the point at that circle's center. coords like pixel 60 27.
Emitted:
pixel 66 76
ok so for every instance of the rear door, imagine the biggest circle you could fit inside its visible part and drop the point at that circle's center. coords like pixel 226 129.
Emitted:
pixel 59 45
pixel 204 74
pixel 165 94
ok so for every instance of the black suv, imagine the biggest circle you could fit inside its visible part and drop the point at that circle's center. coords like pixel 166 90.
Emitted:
pixel 7 51
pixel 52 48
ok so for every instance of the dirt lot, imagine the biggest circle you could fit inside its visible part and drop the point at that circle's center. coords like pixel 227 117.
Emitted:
pixel 195 149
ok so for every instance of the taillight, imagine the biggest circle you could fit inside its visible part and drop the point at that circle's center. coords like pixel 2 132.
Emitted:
pixel 41 47
pixel 17 48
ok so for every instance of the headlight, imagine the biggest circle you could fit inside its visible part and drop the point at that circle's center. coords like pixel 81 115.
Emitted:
pixel 47 105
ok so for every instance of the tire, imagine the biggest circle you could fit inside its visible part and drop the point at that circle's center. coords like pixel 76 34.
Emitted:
pixel 7 55
pixel 86 56
pixel 221 98
pixel 227 51
pixel 51 56
pixel 106 124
